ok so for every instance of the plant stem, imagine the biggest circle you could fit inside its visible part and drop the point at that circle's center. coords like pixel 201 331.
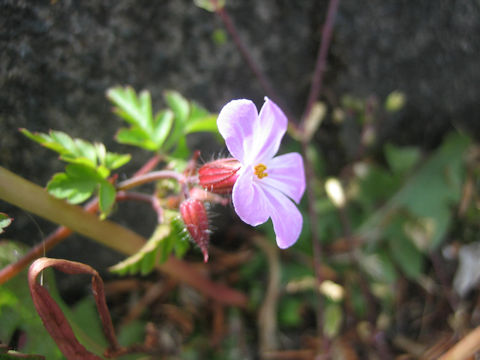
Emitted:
pixel 315 89
pixel 320 65
pixel 227 21
pixel 150 177
pixel 33 198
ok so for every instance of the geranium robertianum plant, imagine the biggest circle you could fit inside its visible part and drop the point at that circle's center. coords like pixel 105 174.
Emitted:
pixel 261 185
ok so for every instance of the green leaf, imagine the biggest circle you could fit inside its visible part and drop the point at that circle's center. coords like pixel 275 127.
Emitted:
pixel 135 136
pixel 78 151
pixel 76 185
pixel 210 5
pixel 17 311
pixel 405 254
pixel 429 193
pixel 144 260
pixel 135 110
pixel 178 104
pixel 290 313
pixel 5 221
pixel 162 125
pixel 401 159
pixel 114 161
pixel 106 197
pixel 206 124
pixel 333 317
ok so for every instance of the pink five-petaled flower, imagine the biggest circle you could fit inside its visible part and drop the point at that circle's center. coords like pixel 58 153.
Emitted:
pixel 266 185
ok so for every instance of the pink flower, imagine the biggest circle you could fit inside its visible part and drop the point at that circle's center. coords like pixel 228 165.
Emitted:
pixel 266 185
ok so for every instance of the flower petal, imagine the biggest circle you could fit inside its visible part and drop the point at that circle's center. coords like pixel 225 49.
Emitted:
pixel 236 123
pixel 286 173
pixel 287 219
pixel 249 200
pixel 269 131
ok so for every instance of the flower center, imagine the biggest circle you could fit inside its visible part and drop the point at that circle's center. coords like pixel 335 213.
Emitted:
pixel 260 171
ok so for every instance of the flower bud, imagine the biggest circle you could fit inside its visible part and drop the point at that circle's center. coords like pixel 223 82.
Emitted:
pixel 195 219
pixel 219 176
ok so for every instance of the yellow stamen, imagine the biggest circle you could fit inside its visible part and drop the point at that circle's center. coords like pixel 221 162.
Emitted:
pixel 260 171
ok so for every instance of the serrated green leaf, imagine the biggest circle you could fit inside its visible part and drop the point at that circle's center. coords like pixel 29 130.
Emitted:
pixel 5 221
pixel 135 136
pixel 106 197
pixel 76 185
pixel 205 124
pixel 162 125
pixel 133 264
pixel 135 110
pixel 44 140
pixel 78 151
pixel 179 105
pixel 114 161
pixel 210 5
pixel 64 140
pixel 148 262
pixel 181 109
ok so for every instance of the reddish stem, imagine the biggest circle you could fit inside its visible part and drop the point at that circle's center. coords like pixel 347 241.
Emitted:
pixel 315 89
pixel 150 177
pixel 321 62
pixel 39 250
pixel 148 166
pixel 227 21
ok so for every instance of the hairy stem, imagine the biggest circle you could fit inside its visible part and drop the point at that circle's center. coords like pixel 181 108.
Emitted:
pixel 150 177
pixel 33 198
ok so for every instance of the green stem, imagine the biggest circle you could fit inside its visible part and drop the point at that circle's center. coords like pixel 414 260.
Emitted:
pixel 31 197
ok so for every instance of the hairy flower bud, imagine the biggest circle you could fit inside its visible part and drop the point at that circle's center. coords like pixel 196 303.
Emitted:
pixel 195 218
pixel 219 176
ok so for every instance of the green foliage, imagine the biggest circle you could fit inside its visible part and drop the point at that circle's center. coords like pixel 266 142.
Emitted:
pixel 17 312
pixel 166 238
pixel 333 316
pixel 88 169
pixel 165 132
pixel 5 221
pixel 415 212
pixel 210 5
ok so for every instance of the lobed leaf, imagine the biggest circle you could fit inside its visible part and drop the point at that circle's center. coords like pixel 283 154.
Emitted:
pixel 145 259
pixel 135 110
pixel 106 197
pixel 79 151
pixel 76 185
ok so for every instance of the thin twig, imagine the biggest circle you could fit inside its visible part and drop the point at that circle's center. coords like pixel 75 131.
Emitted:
pixel 315 89
pixel 317 80
pixel 267 314
pixel 227 21
pixel 150 177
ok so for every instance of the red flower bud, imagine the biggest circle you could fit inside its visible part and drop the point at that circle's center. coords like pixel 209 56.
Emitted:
pixel 195 218
pixel 219 176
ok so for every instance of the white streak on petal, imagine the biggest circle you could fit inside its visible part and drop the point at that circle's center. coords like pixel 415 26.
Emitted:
pixel 286 173
pixel 287 219
pixel 249 199
pixel 269 131
pixel 236 123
